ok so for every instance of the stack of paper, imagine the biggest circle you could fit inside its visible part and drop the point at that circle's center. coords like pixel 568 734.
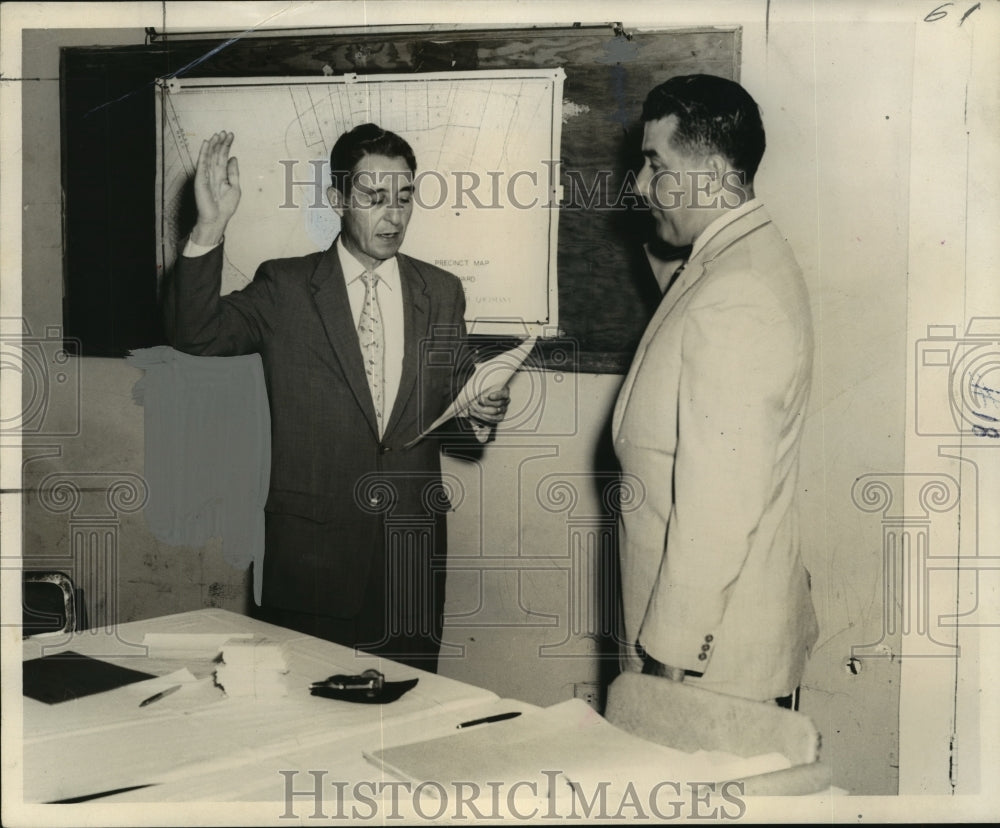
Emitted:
pixel 252 668
pixel 187 645
pixel 567 745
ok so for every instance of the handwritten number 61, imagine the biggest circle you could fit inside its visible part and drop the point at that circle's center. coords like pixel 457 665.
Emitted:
pixel 940 13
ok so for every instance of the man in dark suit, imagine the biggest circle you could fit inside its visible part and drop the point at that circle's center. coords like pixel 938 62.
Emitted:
pixel 362 349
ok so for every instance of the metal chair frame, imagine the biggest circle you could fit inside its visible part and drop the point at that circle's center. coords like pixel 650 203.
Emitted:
pixel 65 584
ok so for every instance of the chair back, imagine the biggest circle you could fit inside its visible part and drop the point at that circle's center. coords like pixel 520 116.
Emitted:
pixel 690 718
pixel 48 603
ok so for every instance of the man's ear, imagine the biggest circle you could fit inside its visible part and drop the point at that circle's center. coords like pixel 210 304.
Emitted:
pixel 718 166
pixel 336 199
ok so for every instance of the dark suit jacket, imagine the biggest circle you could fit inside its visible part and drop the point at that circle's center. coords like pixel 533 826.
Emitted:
pixel 339 496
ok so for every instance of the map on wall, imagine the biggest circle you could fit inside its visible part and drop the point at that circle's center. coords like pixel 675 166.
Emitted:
pixel 486 195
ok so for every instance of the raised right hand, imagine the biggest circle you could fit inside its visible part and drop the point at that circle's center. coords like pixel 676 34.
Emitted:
pixel 216 188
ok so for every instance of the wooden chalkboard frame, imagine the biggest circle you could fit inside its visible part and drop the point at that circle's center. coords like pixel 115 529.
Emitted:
pixel 606 294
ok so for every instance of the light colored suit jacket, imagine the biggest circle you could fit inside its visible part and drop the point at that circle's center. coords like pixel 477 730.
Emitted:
pixel 709 421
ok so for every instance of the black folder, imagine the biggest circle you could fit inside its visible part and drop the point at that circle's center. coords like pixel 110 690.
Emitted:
pixel 70 675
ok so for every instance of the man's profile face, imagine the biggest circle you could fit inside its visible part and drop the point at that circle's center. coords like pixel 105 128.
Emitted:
pixel 668 180
pixel 374 216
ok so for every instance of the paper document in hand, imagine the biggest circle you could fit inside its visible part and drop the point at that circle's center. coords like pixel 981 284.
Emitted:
pixel 487 376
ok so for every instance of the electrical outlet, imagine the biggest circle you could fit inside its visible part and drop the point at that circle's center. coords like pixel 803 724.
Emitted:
pixel 590 692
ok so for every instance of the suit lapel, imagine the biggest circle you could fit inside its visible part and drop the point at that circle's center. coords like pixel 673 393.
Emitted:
pixel 416 316
pixel 330 296
pixel 695 267
pixel 689 277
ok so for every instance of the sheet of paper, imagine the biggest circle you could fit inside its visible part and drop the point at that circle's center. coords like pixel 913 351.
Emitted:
pixel 188 645
pixel 488 376
pixel 567 743
pixel 181 690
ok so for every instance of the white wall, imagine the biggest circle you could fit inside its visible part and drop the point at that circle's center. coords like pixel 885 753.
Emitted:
pixel 836 182
pixel 836 92
pixel 526 565
pixel 954 255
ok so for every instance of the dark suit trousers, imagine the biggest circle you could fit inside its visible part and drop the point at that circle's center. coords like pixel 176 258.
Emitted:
pixel 398 619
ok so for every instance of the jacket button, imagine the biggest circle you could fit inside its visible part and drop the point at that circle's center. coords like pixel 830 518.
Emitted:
pixel 706 647
pixel 702 656
pixel 709 638
pixel 384 449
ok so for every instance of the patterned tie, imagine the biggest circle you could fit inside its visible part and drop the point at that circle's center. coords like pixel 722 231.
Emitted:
pixel 371 335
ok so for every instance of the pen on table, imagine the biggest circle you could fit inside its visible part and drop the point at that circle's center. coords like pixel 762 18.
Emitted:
pixel 87 797
pixel 499 717
pixel 160 695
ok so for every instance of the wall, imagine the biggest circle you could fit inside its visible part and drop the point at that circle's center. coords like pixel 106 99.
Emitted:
pixel 835 98
pixel 89 440
pixel 844 210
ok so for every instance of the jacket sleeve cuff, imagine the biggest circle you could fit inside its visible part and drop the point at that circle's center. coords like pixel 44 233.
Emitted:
pixel 680 627
pixel 192 250
pixel 689 649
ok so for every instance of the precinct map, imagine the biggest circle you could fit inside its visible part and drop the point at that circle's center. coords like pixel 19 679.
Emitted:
pixel 486 201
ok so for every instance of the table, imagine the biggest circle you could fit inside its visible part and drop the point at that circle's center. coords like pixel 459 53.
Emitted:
pixel 200 757
pixel 198 744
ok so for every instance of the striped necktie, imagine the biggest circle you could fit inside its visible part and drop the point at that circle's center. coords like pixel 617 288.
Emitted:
pixel 371 335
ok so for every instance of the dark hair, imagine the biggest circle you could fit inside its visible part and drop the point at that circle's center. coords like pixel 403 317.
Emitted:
pixel 713 115
pixel 366 139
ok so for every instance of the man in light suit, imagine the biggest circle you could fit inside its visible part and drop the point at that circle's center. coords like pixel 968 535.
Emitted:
pixel 710 415
pixel 362 349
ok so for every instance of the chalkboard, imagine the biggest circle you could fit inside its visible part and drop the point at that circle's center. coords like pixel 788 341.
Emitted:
pixel 605 295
